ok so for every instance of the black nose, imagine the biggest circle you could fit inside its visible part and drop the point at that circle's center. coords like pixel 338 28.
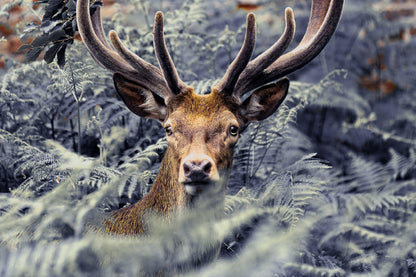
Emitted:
pixel 197 171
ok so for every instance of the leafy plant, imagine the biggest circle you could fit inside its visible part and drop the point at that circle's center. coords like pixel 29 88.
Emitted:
pixel 56 31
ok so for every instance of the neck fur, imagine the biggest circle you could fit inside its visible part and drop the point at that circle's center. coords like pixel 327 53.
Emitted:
pixel 167 193
pixel 166 196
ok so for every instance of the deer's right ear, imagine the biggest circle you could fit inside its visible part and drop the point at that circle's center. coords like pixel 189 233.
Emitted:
pixel 140 100
pixel 264 101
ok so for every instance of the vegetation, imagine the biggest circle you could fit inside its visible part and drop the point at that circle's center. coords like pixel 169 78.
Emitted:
pixel 325 187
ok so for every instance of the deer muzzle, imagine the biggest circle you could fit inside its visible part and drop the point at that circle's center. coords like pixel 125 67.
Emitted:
pixel 197 173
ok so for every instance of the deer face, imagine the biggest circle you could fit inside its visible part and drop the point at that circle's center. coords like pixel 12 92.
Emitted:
pixel 202 130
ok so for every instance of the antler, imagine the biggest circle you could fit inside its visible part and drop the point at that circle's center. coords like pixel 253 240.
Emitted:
pixel 272 65
pixel 166 82
pixel 230 78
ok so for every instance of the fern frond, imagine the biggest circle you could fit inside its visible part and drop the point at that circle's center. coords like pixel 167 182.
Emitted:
pixel 309 270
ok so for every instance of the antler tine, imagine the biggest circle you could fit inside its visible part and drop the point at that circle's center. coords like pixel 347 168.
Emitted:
pixel 227 83
pixel 98 26
pixel 320 29
pixel 324 19
pixel 125 62
pixel 172 79
pixel 149 73
pixel 270 55
pixel 95 46
pixel 318 14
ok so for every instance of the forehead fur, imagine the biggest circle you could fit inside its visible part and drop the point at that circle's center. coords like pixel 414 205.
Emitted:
pixel 202 105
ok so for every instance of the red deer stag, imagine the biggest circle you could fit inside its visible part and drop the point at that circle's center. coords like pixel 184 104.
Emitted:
pixel 201 130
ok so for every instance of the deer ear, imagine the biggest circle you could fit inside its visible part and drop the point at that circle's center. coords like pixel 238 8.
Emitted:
pixel 264 101
pixel 140 100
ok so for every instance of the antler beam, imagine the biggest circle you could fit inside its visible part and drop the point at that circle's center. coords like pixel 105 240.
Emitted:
pixel 272 65
pixel 165 82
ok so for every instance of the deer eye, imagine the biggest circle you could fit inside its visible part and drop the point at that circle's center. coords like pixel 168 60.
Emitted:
pixel 169 131
pixel 234 130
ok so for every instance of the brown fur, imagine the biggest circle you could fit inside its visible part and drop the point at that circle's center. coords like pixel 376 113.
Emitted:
pixel 165 195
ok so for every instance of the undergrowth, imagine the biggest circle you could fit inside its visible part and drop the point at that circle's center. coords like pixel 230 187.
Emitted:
pixel 324 187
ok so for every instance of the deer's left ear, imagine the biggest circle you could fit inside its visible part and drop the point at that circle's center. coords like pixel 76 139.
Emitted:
pixel 264 101
pixel 138 99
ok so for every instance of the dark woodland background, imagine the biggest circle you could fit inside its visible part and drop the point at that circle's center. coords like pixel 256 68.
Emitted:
pixel 324 187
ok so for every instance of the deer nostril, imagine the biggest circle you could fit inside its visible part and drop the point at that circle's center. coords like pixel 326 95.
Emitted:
pixel 206 166
pixel 187 168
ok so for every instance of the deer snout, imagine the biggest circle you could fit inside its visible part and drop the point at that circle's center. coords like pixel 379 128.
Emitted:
pixel 196 172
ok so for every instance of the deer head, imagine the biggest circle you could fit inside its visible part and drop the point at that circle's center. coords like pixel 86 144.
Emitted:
pixel 202 129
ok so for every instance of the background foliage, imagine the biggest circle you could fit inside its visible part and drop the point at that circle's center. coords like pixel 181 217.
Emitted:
pixel 325 187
